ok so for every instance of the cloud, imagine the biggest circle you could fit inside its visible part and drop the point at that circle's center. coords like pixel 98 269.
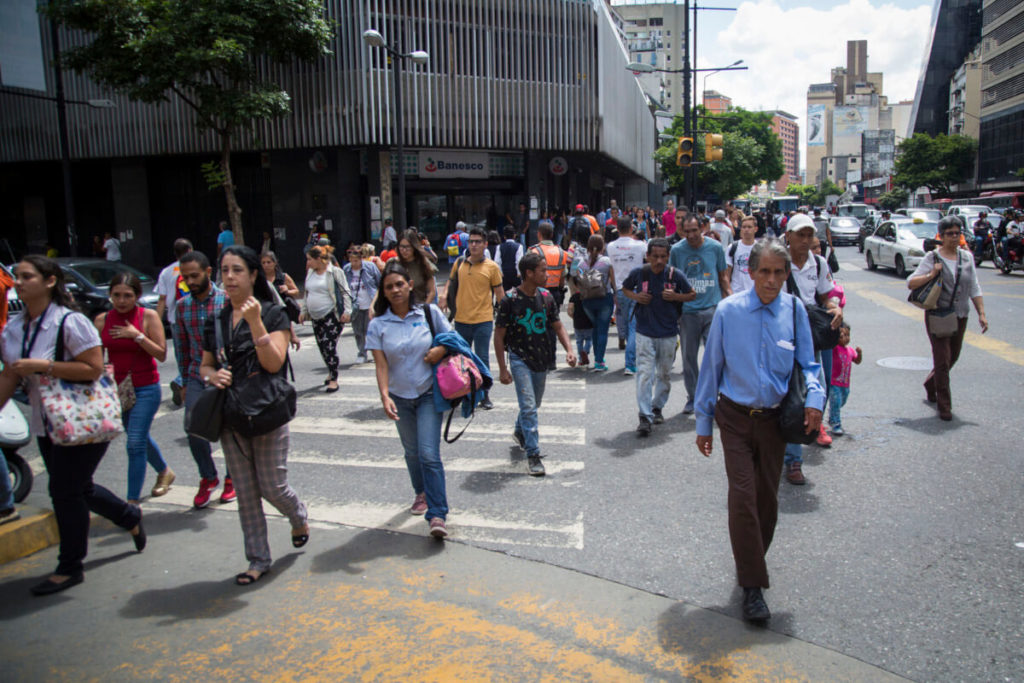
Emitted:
pixel 789 49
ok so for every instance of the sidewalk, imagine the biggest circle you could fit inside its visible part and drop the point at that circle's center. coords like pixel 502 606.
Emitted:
pixel 366 605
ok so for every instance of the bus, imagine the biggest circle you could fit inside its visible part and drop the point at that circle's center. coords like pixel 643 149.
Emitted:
pixel 1001 201
pixel 783 204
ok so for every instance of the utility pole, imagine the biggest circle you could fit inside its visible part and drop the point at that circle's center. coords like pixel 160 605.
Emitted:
pixel 687 122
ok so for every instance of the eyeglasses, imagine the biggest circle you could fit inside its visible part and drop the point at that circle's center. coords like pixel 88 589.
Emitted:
pixel 405 246
pixel 951 233
pixel 477 242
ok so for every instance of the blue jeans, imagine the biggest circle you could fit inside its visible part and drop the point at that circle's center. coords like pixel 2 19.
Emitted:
pixel 419 428
pixel 599 311
pixel 836 401
pixel 655 356
pixel 795 451
pixel 140 445
pixel 584 338
pixel 200 447
pixel 478 335
pixel 625 322
pixel 529 392
pixel 6 493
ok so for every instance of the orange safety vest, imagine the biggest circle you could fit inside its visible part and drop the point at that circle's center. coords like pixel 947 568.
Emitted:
pixel 556 258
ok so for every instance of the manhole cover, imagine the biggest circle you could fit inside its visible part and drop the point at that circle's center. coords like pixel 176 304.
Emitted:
pixel 906 363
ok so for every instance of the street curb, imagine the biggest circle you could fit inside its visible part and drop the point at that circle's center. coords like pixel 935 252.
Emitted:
pixel 35 531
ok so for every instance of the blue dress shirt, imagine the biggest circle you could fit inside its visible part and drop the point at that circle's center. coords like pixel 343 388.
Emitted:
pixel 749 355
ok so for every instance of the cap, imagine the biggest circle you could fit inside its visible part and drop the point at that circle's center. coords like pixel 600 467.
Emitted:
pixel 460 226
pixel 719 214
pixel 579 207
pixel 323 241
pixel 799 222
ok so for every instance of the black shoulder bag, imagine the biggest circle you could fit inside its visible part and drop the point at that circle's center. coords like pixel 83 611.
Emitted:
pixel 206 420
pixel 825 338
pixel 791 410
pixel 453 287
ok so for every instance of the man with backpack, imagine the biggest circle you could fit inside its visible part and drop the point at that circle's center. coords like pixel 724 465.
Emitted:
pixel 455 244
pixel 169 288
pixel 527 317
pixel 507 258
pixel 555 258
pixel 658 293
pixel 737 256
pixel 626 255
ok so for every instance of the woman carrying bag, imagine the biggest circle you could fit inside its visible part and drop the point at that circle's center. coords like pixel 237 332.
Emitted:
pixel 598 305
pixel 134 339
pixel 947 323
pixel 402 345
pixel 327 298
pixel 30 350
pixel 258 405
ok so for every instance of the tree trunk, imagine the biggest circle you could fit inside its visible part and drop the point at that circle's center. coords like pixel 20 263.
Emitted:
pixel 234 210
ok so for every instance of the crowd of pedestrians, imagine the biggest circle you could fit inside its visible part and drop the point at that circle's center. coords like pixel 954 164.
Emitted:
pixel 672 282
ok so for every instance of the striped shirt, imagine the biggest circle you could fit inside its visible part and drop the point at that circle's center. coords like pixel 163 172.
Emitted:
pixel 191 315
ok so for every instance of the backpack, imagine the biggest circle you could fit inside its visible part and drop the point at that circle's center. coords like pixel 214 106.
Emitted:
pixel 451 244
pixel 592 284
pixel 732 250
pixel 645 279
pixel 453 286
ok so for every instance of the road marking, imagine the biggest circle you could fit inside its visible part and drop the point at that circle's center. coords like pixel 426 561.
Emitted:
pixel 997 348
pixel 349 380
pixel 466 525
pixel 381 429
pixel 571 406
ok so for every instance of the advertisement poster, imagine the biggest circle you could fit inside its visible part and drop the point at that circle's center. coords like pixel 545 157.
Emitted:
pixel 816 125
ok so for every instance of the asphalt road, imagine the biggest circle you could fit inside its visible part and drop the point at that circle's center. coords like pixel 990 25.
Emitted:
pixel 905 550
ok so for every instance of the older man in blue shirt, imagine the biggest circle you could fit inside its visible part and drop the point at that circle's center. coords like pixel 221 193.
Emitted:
pixel 751 346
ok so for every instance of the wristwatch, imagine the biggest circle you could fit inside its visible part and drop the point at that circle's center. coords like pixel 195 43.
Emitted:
pixel 139 338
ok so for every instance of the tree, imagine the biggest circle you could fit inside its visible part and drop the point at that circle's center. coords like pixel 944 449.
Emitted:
pixel 935 163
pixel 893 199
pixel 751 152
pixel 806 193
pixel 212 54
pixel 827 188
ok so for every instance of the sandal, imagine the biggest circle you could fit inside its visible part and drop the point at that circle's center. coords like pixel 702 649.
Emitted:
pixel 299 540
pixel 246 578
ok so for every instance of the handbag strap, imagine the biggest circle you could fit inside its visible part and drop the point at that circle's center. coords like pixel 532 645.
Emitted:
pixel 58 353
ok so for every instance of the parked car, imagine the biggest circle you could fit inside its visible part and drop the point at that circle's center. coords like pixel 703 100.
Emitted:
pixel 924 214
pixel 899 244
pixel 845 230
pixel 88 281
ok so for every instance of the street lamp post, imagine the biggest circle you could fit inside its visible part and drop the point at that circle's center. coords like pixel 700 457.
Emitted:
pixel 396 58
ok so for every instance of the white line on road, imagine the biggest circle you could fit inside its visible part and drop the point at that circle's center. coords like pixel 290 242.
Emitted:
pixel 379 429
pixel 572 406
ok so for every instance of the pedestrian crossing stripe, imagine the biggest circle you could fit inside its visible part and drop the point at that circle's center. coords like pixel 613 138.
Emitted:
pixel 380 429
pixel 572 406
pixel 347 379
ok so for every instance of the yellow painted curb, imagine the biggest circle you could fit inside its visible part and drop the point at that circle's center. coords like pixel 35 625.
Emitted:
pixel 36 530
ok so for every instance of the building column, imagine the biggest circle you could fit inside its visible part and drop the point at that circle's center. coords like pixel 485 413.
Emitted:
pixel 132 227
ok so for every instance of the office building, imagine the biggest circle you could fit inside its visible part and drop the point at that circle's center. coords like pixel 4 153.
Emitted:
pixel 1001 149
pixel 715 102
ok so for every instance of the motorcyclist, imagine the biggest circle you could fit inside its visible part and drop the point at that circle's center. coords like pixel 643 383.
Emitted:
pixel 982 228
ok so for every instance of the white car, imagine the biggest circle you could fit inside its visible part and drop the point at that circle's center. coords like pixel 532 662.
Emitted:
pixel 899 244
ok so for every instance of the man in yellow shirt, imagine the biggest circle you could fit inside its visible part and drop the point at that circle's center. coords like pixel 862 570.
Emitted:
pixel 478 286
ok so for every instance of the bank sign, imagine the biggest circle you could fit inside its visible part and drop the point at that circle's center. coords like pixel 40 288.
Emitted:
pixel 442 164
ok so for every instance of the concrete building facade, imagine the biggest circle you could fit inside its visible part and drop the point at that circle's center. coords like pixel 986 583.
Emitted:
pixel 1001 149
pixel 715 102
pixel 786 128
pixel 653 35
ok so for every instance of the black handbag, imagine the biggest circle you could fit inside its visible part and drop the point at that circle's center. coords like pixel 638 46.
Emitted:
pixel 791 410
pixel 453 287
pixel 825 338
pixel 833 261
pixel 206 419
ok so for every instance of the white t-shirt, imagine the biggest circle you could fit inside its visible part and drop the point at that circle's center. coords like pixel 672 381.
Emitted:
pixel 740 262
pixel 364 295
pixel 626 255
pixel 167 287
pixel 808 282
pixel 724 233
pixel 113 249
pixel 319 303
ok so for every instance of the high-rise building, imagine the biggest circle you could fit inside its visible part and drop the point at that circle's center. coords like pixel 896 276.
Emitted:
pixel 653 35
pixel 1001 149
pixel 715 102
pixel 785 126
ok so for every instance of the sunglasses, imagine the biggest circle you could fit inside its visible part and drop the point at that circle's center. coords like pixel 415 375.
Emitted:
pixel 951 233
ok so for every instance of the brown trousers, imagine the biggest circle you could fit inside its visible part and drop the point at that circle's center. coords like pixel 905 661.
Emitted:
pixel 945 352
pixel 754 450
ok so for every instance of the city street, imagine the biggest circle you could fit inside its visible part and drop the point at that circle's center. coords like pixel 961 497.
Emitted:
pixel 904 551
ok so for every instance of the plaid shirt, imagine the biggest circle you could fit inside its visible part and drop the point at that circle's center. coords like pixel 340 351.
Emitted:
pixel 190 319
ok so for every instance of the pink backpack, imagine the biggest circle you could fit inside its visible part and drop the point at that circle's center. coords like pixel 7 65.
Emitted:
pixel 458 376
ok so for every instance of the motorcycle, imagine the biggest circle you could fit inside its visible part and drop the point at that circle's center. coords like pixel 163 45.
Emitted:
pixel 1014 258
pixel 14 434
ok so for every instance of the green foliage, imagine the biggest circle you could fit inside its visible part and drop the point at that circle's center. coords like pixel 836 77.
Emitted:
pixel 213 174
pixel 751 153
pixel 808 193
pixel 1020 173
pixel 935 163
pixel 827 187
pixel 893 199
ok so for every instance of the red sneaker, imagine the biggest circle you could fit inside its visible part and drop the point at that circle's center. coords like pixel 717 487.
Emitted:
pixel 824 440
pixel 228 494
pixel 206 487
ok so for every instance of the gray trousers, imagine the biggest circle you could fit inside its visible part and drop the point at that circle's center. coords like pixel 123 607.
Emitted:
pixel 693 329
pixel 360 320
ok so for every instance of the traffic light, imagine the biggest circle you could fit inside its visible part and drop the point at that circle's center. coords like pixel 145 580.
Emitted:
pixel 712 147
pixel 684 152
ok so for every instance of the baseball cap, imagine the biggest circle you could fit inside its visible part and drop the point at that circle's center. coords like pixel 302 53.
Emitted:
pixel 579 207
pixel 799 222
pixel 460 226
pixel 719 214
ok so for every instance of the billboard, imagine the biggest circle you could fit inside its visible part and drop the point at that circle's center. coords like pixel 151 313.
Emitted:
pixel 848 123
pixel 816 125
pixel 21 46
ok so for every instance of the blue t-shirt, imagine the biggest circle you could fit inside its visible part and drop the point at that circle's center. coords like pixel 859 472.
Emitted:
pixel 226 238
pixel 701 268
pixel 659 318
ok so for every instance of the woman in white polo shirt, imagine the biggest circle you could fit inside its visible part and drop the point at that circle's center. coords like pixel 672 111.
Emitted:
pixel 402 345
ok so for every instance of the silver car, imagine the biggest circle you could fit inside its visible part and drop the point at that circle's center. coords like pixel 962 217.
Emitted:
pixel 845 230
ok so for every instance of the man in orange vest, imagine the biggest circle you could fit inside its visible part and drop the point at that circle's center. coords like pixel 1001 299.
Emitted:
pixel 555 258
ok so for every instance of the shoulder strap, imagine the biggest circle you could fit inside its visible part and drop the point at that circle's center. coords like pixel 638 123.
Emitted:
pixel 817 263
pixel 430 321
pixel 956 280
pixel 58 353
pixel 732 249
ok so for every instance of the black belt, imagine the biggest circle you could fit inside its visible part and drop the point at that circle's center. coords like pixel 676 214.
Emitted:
pixel 748 410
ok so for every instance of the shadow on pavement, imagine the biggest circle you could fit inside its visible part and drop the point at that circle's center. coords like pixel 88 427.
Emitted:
pixel 199 600
pixel 797 499
pixel 933 425
pixel 371 544
pixel 628 443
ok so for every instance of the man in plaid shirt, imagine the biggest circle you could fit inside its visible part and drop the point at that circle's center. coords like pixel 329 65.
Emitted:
pixel 203 301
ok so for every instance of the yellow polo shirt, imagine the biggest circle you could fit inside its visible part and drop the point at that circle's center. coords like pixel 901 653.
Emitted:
pixel 473 302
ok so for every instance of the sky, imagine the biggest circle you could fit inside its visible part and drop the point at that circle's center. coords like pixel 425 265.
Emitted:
pixel 789 44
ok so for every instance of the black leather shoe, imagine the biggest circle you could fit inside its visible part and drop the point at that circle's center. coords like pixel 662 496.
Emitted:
pixel 139 539
pixel 644 428
pixel 536 467
pixel 658 417
pixel 754 607
pixel 49 587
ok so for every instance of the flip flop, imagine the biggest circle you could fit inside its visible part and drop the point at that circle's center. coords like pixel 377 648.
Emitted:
pixel 246 579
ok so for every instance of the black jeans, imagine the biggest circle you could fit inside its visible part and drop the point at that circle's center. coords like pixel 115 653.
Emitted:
pixel 74 496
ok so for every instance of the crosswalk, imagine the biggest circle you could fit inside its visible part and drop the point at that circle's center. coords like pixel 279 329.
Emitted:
pixel 344 438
